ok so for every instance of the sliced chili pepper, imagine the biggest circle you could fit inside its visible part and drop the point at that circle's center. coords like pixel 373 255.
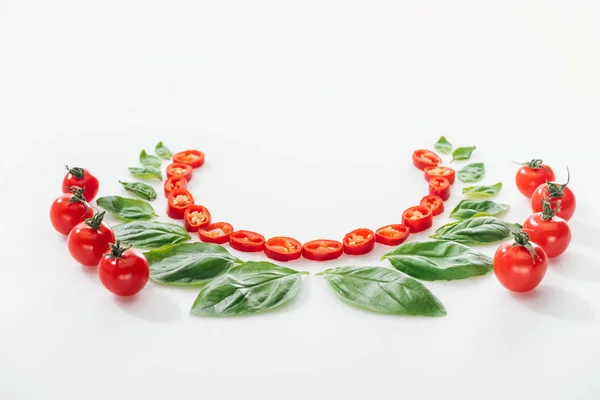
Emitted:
pixel 440 171
pixel 174 182
pixel 392 235
pixel 440 186
pixel 247 241
pixel 426 158
pixel 218 233
pixel 196 217
pixel 283 249
pixel 434 203
pixel 193 158
pixel 417 218
pixel 179 200
pixel 180 170
pixel 322 250
pixel 359 241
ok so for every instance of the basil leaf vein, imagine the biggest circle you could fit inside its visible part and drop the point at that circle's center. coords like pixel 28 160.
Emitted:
pixel 149 160
pixel 443 145
pixel 143 190
pixel 478 208
pixel 481 230
pixel 482 191
pixel 471 173
pixel 463 153
pixel 162 151
pixel 150 235
pixel 147 172
pixel 126 208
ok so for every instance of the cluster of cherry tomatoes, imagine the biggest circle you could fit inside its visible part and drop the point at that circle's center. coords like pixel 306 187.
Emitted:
pixel 91 241
pixel 521 266
pixel 197 218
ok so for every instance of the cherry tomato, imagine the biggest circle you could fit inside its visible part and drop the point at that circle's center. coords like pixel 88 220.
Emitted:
pixel 417 219
pixel 392 235
pixel 359 241
pixel 531 175
pixel 520 266
pixel 218 233
pixel 123 271
pixel 426 158
pixel 82 178
pixel 180 170
pixel 174 182
pixel 179 200
pixel 439 187
pixel 440 171
pixel 550 232
pixel 196 217
pixel 247 241
pixel 193 158
pixel 283 249
pixel 322 250
pixel 555 192
pixel 69 210
pixel 434 203
pixel 89 241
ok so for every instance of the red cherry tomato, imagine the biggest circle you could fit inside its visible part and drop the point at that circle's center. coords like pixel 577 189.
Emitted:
pixel 180 170
pixel 89 241
pixel 123 272
pixel 179 200
pixel 434 203
pixel 440 187
pixel 196 217
pixel 441 172
pixel 358 242
pixel 175 182
pixel 417 219
pixel 550 232
pixel 82 178
pixel 247 241
pixel 322 250
pixel 283 249
pixel 555 192
pixel 392 235
pixel 69 210
pixel 193 158
pixel 218 233
pixel 520 266
pixel 426 158
pixel 531 175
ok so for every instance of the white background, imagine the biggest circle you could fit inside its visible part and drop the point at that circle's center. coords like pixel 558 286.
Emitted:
pixel 308 113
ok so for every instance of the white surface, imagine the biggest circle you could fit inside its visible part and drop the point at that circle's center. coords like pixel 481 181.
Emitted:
pixel 308 113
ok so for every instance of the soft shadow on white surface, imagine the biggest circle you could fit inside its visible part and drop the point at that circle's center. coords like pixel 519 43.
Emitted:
pixel 556 303
pixel 585 234
pixel 151 304
pixel 576 266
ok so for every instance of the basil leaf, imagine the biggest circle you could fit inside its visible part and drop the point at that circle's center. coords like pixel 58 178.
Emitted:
pixel 249 288
pixel 149 160
pixel 147 172
pixel 143 190
pixel 125 208
pixel 482 191
pixel 479 230
pixel 463 153
pixel 162 151
pixel 150 235
pixel 443 145
pixel 471 173
pixel 189 263
pixel 477 208
pixel 383 290
pixel 439 260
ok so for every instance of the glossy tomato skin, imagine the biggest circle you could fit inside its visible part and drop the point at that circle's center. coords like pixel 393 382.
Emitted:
pixel 179 200
pixel 440 172
pixel 65 216
pixel 193 221
pixel 529 179
pixel 358 242
pixel 82 178
pixel 247 241
pixel 174 182
pixel 322 250
pixel 283 249
pixel 194 158
pixel 434 202
pixel 217 232
pixel 392 235
pixel 124 276
pixel 425 158
pixel 87 245
pixel 417 218
pixel 552 235
pixel 180 170
pixel 440 187
pixel 568 203
pixel 516 269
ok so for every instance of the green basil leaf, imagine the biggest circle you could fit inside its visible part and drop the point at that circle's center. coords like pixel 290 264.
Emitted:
pixel 471 173
pixel 147 172
pixel 479 230
pixel 482 191
pixel 383 290
pixel 150 235
pixel 439 260
pixel 189 263
pixel 125 208
pixel 443 145
pixel 143 190
pixel 149 160
pixel 463 153
pixel 249 288
pixel 478 208
pixel 162 151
